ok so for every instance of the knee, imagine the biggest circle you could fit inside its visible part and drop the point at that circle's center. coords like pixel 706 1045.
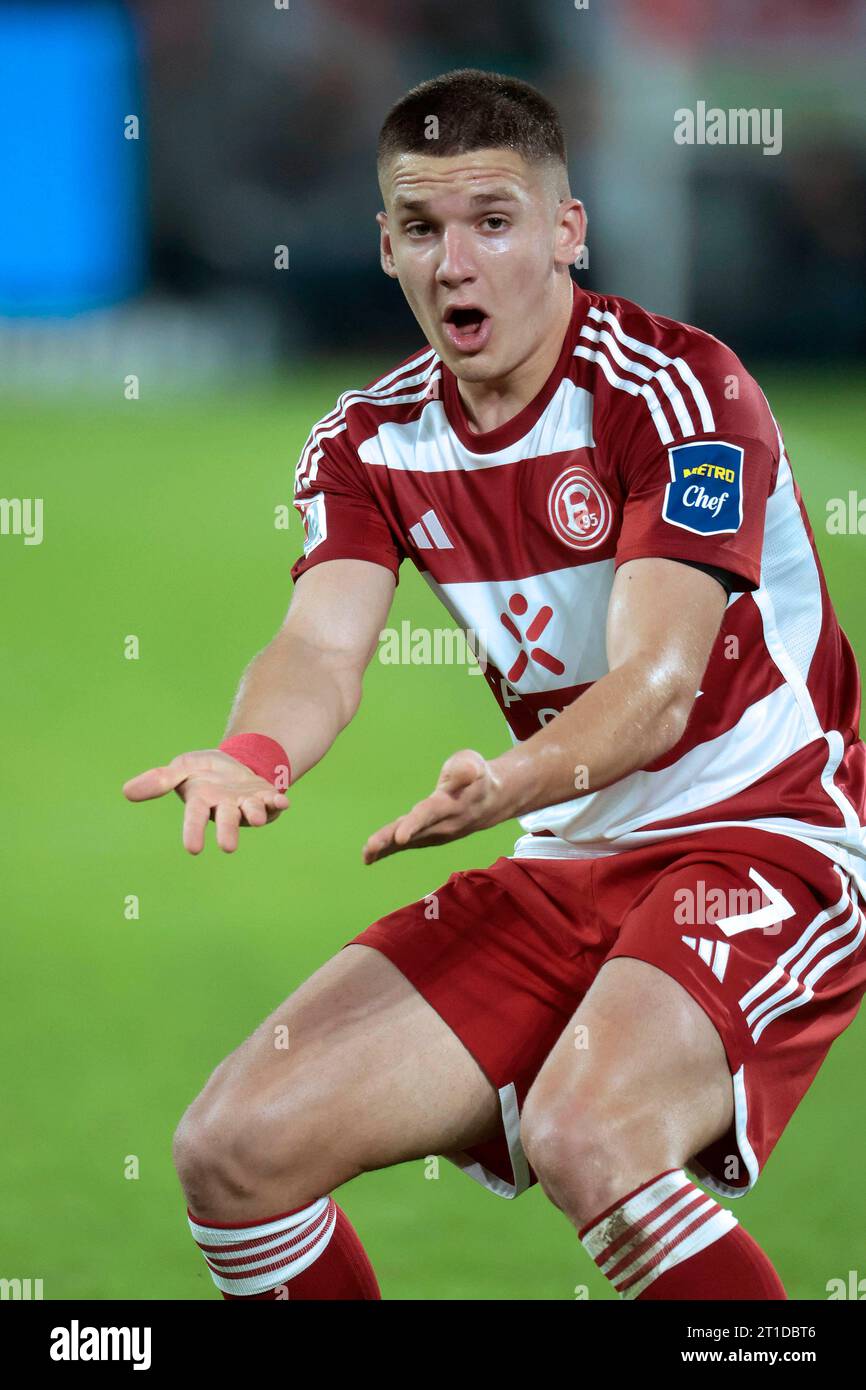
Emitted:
pixel 207 1157
pixel 584 1152
pixel 224 1155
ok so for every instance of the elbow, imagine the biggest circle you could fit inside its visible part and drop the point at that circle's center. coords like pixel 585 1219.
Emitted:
pixel 678 718
pixel 673 720
pixel 348 689
pixel 669 704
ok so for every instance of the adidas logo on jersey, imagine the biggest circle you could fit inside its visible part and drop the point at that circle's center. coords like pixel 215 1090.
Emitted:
pixel 429 533
pixel 714 953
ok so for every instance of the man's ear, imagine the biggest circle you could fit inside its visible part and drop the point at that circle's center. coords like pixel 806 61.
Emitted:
pixel 570 231
pixel 386 256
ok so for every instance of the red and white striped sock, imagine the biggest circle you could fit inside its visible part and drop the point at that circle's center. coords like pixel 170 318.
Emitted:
pixel 310 1253
pixel 670 1240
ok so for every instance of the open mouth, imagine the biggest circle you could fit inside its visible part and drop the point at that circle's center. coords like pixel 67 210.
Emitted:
pixel 468 327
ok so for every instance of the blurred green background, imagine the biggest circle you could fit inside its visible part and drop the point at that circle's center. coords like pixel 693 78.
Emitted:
pixel 159 522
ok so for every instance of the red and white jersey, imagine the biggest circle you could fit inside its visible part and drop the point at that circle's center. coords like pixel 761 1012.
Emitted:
pixel 648 439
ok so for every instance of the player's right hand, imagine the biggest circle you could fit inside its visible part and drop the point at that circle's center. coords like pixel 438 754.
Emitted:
pixel 213 786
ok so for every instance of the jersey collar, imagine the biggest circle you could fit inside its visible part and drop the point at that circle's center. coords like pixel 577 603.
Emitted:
pixel 521 423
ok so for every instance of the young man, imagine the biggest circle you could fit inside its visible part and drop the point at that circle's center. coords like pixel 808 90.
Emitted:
pixel 651 982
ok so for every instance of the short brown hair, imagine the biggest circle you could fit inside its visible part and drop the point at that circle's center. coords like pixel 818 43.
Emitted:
pixel 473 110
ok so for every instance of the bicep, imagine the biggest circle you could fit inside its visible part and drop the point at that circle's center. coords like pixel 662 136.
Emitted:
pixel 339 608
pixel 666 614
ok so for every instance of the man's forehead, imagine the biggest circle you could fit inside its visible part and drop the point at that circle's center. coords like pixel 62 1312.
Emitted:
pixel 412 177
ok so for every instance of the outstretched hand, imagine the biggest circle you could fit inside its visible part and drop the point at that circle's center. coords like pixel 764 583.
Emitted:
pixel 467 797
pixel 214 786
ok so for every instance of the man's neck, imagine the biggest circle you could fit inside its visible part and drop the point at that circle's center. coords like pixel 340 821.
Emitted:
pixel 489 404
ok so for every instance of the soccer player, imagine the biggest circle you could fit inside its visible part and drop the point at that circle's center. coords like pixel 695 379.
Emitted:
pixel 635 1001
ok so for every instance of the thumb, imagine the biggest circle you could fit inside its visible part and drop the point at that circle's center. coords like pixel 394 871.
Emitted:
pixel 461 769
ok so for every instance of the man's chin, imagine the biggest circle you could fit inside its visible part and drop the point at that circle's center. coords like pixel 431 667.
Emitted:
pixel 470 366
pixel 475 369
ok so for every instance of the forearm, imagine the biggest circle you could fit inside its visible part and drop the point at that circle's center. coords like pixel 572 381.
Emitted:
pixel 624 721
pixel 300 696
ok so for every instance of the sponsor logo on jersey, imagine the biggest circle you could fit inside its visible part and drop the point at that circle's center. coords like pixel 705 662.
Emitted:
pixel 537 623
pixel 579 509
pixel 315 521
pixel 705 494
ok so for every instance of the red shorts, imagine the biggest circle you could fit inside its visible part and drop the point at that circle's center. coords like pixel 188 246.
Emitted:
pixel 506 954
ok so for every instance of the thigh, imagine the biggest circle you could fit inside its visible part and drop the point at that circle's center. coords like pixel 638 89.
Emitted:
pixel 357 1060
pixel 766 935
pixel 640 1057
pixel 503 955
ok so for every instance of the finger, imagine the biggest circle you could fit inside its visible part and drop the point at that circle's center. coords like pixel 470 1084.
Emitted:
pixel 377 845
pixel 228 819
pixel 274 811
pixel 423 817
pixel 195 818
pixel 460 770
pixel 155 782
pixel 372 855
pixel 276 801
pixel 254 810
pixel 159 780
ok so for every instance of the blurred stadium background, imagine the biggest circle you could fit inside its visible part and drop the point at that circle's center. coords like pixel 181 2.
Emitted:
pixel 158 376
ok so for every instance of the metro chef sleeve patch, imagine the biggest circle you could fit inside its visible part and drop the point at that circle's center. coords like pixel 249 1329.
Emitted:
pixel 705 493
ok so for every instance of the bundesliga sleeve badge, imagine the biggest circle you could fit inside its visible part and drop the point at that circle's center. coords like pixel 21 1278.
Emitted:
pixel 312 512
pixel 705 494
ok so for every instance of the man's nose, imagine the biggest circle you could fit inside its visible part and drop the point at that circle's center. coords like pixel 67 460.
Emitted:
pixel 455 262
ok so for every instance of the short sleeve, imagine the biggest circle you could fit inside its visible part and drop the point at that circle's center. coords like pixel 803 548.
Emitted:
pixel 342 518
pixel 702 497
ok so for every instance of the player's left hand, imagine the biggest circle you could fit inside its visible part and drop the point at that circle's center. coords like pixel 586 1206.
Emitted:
pixel 468 797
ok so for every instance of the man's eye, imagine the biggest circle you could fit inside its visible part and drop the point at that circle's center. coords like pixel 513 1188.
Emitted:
pixel 495 217
pixel 417 229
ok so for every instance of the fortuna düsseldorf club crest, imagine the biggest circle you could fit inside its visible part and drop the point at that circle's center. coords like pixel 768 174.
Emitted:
pixel 579 509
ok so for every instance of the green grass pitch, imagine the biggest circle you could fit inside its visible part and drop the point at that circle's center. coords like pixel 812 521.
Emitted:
pixel 158 522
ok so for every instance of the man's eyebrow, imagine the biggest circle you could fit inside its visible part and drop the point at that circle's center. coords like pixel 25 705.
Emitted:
pixel 494 195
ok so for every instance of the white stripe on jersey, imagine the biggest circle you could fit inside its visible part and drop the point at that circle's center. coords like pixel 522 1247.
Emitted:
pixel 789 601
pixel 631 364
pixel 390 395
pixel 424 360
pixel 385 392
pixel 478 606
pixel 791 649
pixel 428 444
pixel 389 383
pixel 708 423
pixel 767 733
pixel 393 399
pixel 649 395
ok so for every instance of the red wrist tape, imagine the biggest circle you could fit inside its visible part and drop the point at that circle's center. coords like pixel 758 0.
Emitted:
pixel 262 755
